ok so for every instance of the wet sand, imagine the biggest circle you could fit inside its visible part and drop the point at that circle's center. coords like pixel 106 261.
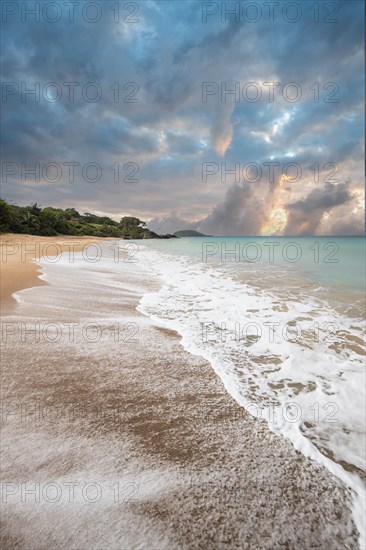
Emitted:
pixel 177 463
pixel 18 257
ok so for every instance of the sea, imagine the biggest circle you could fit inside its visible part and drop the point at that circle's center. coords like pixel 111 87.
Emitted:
pixel 282 322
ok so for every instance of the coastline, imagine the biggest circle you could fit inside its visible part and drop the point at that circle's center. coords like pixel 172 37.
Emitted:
pixel 208 474
pixel 18 260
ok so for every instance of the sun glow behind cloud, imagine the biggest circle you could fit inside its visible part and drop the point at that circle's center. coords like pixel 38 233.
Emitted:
pixel 170 132
pixel 276 223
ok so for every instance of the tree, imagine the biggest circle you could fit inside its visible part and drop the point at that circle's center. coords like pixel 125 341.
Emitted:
pixel 90 218
pixel 104 220
pixel 6 216
pixel 54 221
pixel 29 221
pixel 130 222
pixel 132 227
pixel 71 213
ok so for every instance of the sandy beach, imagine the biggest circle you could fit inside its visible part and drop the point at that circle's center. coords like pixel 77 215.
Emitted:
pixel 158 453
pixel 19 254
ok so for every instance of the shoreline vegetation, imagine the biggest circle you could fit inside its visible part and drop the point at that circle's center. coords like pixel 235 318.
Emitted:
pixel 53 222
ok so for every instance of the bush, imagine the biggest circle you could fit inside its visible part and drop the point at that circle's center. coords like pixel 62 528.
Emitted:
pixel 6 216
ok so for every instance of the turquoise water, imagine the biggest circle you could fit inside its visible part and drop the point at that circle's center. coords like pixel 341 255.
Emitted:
pixel 282 322
pixel 337 262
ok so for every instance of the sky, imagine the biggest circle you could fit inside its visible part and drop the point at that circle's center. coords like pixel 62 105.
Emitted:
pixel 231 118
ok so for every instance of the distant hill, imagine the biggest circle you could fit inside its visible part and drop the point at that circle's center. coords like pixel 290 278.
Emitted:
pixel 189 233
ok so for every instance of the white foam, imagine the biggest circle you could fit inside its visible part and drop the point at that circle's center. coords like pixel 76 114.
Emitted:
pixel 310 388
pixel 193 294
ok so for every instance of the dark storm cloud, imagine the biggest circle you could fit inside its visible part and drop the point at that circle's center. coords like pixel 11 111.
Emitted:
pixel 240 214
pixel 304 216
pixel 169 131
pixel 322 199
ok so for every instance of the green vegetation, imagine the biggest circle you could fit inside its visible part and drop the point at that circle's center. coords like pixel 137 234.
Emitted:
pixel 55 221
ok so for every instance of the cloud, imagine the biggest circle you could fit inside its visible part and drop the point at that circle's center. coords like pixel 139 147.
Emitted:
pixel 305 216
pixel 170 224
pixel 222 129
pixel 241 213
pixel 170 131
pixel 346 228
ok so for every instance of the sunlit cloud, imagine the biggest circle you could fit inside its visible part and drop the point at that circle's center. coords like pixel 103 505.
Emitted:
pixel 169 132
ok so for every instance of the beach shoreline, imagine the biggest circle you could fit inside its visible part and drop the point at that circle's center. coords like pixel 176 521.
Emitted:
pixel 208 474
pixel 18 259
